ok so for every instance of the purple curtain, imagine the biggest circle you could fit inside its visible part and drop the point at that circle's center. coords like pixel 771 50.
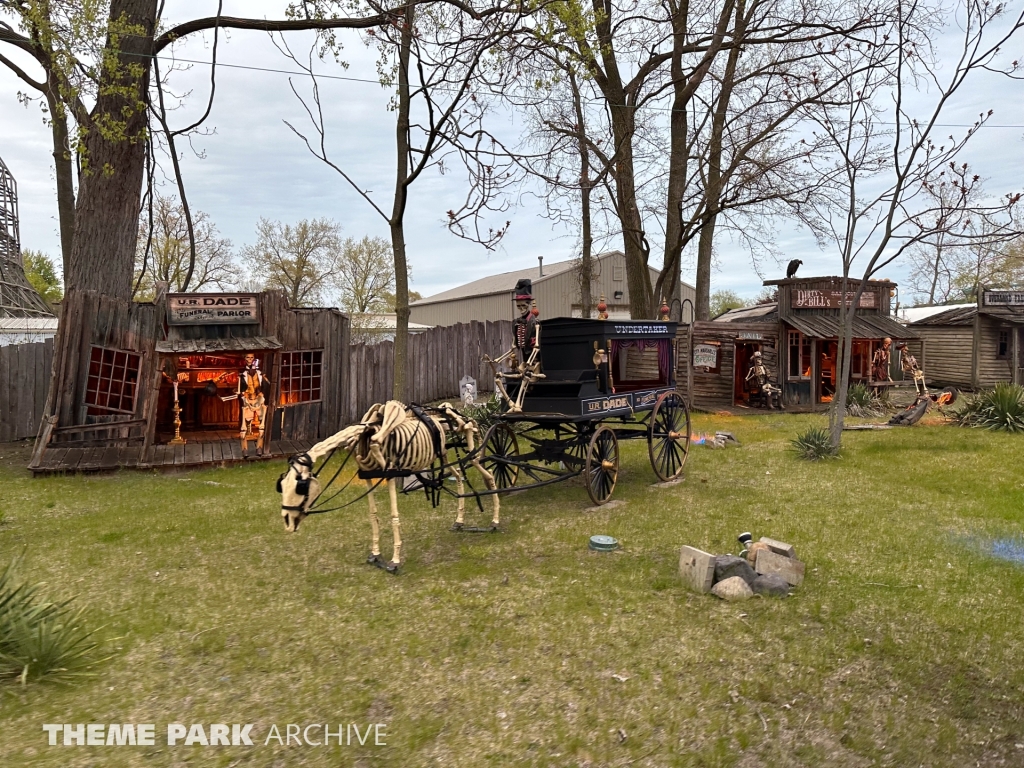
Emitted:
pixel 664 352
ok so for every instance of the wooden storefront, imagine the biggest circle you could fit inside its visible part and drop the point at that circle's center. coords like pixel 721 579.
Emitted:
pixel 118 365
pixel 797 336
pixel 976 347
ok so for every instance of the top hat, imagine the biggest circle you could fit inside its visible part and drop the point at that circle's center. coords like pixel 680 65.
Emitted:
pixel 523 290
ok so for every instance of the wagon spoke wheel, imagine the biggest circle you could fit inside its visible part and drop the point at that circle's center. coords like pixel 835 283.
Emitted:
pixel 668 436
pixel 602 469
pixel 500 442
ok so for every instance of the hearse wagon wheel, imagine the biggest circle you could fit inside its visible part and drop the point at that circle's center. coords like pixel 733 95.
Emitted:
pixel 602 468
pixel 668 436
pixel 501 442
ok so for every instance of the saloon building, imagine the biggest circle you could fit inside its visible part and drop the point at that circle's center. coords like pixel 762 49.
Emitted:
pixel 797 336
pixel 121 363
pixel 975 347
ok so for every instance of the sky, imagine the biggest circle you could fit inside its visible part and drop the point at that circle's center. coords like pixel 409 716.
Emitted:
pixel 252 165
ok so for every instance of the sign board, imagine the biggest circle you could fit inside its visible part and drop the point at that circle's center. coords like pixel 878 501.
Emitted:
pixel 626 402
pixel 751 336
pixel 828 299
pixel 212 309
pixel 705 356
pixel 1003 299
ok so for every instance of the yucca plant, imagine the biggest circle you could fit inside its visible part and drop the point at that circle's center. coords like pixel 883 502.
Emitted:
pixel 40 640
pixel 861 401
pixel 999 409
pixel 814 444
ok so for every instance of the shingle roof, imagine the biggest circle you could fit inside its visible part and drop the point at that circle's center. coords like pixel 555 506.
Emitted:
pixel 864 326
pixel 962 315
pixel 759 313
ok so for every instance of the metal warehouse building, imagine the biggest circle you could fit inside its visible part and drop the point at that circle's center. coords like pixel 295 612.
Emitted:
pixel 556 288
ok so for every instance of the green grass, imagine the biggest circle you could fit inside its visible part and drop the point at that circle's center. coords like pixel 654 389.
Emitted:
pixel 903 647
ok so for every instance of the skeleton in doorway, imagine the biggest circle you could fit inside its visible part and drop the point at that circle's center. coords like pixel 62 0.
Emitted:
pixel 909 365
pixel 522 356
pixel 880 363
pixel 759 373
pixel 390 443
pixel 251 393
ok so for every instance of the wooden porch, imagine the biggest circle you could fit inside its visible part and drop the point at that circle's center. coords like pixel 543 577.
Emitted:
pixel 58 459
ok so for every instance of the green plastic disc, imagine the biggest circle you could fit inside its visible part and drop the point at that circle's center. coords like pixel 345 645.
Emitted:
pixel 603 543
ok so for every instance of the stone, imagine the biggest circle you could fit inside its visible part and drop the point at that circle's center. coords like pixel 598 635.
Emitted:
pixel 697 569
pixel 732 589
pixel 770 585
pixel 779 547
pixel 604 507
pixel 727 566
pixel 756 547
pixel 789 568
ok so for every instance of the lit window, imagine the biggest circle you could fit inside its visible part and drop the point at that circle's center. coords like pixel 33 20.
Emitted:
pixel 113 381
pixel 799 355
pixel 301 376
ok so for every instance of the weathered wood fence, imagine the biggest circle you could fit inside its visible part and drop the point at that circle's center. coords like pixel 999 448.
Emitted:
pixel 24 379
pixel 438 359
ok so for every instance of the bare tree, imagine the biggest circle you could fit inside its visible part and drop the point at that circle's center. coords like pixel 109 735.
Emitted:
pixel 434 56
pixel 170 251
pixel 880 199
pixel 302 259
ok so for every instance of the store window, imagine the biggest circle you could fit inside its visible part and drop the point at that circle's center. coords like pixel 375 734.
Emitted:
pixel 113 381
pixel 1004 344
pixel 799 355
pixel 301 376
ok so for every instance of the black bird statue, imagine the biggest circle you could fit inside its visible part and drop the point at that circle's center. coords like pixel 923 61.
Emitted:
pixel 794 265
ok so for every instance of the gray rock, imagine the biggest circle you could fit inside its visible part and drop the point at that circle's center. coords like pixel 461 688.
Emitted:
pixel 727 566
pixel 732 589
pixel 770 585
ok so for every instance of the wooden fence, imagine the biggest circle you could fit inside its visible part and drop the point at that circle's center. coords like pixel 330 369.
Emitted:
pixel 24 379
pixel 438 359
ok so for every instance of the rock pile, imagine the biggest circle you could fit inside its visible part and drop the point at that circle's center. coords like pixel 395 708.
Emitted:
pixel 768 568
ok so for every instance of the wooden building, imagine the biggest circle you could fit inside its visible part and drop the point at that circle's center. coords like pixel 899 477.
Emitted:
pixel 797 336
pixel 975 347
pixel 556 288
pixel 118 365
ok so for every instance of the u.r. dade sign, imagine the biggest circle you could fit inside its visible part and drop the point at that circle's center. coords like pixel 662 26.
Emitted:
pixel 212 309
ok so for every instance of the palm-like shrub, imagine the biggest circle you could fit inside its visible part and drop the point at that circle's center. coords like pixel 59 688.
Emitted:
pixel 39 639
pixel 814 444
pixel 1001 409
pixel 861 401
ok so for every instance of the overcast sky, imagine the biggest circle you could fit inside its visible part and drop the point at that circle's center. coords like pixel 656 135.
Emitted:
pixel 254 166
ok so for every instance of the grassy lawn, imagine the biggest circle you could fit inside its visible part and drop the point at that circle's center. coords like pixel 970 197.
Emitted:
pixel 903 647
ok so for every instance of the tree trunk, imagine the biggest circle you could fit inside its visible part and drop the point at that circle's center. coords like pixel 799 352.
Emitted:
pixel 398 212
pixel 623 120
pixel 586 187
pixel 713 185
pixel 64 170
pixel 107 211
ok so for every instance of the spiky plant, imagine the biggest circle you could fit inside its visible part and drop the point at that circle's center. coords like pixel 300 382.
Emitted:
pixel 814 444
pixel 999 409
pixel 861 401
pixel 40 640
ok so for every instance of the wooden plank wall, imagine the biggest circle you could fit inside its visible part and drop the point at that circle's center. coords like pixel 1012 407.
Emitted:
pixel 716 390
pixel 24 380
pixel 438 359
pixel 948 353
pixel 992 369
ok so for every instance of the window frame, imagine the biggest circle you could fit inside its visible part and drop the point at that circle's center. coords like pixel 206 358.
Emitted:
pixel 315 377
pixel 804 356
pixel 119 370
pixel 1004 345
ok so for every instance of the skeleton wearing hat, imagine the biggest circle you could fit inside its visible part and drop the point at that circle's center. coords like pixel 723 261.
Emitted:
pixel 253 404
pixel 908 363
pixel 522 357
pixel 759 373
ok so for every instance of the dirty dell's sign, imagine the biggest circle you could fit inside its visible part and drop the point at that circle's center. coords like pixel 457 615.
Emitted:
pixel 212 309
pixel 827 299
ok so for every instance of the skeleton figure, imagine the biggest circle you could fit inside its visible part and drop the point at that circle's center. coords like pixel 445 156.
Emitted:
pixel 880 361
pixel 522 356
pixel 253 405
pixel 909 365
pixel 392 441
pixel 758 372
